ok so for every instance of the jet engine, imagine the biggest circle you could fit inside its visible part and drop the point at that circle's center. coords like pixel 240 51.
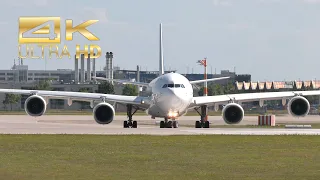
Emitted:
pixel 298 106
pixel 35 105
pixel 103 113
pixel 232 113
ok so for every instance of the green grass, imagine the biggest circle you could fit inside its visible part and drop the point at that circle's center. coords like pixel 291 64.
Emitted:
pixel 78 157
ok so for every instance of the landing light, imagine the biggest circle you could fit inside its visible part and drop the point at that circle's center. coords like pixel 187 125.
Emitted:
pixel 172 114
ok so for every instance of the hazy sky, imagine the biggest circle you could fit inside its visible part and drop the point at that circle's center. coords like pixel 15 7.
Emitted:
pixel 269 39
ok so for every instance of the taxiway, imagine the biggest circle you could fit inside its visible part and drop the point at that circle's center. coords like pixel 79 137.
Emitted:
pixel 69 124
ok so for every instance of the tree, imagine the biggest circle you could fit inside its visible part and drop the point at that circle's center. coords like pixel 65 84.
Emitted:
pixel 105 88
pixel 11 99
pixel 201 91
pixel 43 85
pixel 5 102
pixel 217 89
pixel 229 88
pixel 130 90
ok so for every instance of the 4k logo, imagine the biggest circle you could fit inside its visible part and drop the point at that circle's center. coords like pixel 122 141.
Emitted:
pixel 41 26
pixel 45 31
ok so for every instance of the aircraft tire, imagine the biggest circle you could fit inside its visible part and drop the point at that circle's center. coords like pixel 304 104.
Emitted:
pixel 206 124
pixel 125 124
pixel 134 124
pixel 162 124
pixel 198 124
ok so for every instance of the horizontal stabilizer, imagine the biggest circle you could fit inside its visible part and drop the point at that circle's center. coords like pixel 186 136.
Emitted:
pixel 122 81
pixel 208 80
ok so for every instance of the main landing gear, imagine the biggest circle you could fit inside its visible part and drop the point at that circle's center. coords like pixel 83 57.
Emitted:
pixel 169 124
pixel 130 123
pixel 203 123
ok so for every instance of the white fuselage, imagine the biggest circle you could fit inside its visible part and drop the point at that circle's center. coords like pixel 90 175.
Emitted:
pixel 172 94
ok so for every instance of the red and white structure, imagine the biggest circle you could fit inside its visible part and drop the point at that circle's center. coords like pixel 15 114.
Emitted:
pixel 205 87
pixel 267 120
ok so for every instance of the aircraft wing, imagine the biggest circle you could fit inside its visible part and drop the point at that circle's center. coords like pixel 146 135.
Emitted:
pixel 249 97
pixel 122 81
pixel 80 96
pixel 204 80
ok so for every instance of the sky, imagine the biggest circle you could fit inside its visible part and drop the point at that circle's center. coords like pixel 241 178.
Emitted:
pixel 272 40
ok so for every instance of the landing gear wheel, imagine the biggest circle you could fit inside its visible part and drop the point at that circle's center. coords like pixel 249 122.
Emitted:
pixel 134 124
pixel 203 123
pixel 175 124
pixel 130 124
pixel 206 124
pixel 125 124
pixel 169 124
pixel 162 124
pixel 198 124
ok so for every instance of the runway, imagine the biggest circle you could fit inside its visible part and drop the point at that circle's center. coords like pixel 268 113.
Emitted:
pixel 67 124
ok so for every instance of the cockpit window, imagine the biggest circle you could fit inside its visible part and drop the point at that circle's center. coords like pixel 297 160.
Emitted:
pixel 173 86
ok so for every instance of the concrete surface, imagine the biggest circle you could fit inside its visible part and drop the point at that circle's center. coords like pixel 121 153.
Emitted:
pixel 69 124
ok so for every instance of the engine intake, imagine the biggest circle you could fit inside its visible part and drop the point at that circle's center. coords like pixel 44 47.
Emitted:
pixel 298 106
pixel 35 105
pixel 103 113
pixel 232 113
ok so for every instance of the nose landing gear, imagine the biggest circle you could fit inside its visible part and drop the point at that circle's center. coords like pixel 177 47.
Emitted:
pixel 169 124
pixel 203 123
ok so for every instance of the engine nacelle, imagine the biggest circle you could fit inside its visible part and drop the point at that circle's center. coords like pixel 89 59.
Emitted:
pixel 35 106
pixel 232 113
pixel 103 113
pixel 298 106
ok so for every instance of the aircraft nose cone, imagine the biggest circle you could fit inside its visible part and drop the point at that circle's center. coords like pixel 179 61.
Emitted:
pixel 174 93
pixel 178 94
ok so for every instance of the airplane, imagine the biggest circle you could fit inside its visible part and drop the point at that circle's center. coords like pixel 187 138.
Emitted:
pixel 172 97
